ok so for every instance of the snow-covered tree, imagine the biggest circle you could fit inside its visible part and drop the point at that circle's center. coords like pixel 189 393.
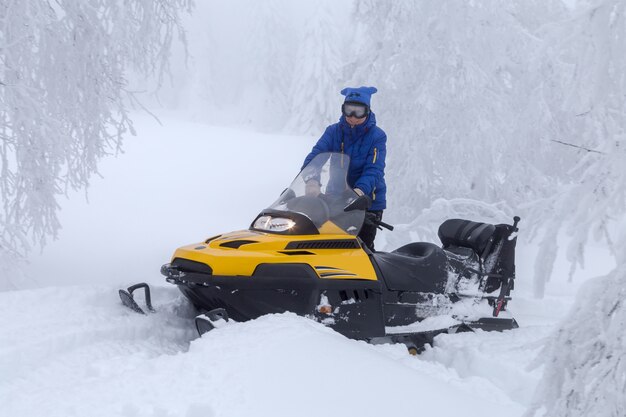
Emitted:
pixel 64 97
pixel 591 116
pixel 271 50
pixel 318 73
pixel 475 97
pixel 458 84
pixel 585 371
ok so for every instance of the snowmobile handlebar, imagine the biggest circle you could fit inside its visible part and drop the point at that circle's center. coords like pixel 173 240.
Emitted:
pixel 371 219
pixel 385 225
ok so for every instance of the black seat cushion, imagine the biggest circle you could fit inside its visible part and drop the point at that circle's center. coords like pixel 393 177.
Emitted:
pixel 418 249
pixel 416 267
pixel 466 233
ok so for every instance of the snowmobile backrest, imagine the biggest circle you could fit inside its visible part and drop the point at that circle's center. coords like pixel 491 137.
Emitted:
pixel 503 252
pixel 466 233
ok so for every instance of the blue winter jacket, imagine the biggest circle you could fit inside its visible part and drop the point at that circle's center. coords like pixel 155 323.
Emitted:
pixel 366 144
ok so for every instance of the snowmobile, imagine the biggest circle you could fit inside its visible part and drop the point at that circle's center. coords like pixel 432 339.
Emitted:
pixel 303 255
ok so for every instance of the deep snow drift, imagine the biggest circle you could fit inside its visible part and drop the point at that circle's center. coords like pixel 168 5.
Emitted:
pixel 68 347
pixel 80 353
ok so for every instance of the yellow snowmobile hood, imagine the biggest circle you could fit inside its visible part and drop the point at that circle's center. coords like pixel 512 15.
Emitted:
pixel 332 256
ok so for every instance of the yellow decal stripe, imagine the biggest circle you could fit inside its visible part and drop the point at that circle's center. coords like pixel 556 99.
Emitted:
pixel 375 155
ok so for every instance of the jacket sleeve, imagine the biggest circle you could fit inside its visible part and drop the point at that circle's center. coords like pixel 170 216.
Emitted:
pixel 374 169
pixel 324 144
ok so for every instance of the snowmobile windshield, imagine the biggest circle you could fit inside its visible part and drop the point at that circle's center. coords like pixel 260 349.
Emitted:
pixel 320 193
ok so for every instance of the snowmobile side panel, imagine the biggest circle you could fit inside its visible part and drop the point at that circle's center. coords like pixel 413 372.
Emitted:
pixel 355 305
pixel 404 308
pixel 492 324
pixel 462 261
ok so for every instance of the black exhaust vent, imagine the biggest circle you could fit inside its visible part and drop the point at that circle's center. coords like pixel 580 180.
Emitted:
pixel 324 244
pixel 186 265
pixel 296 252
pixel 236 243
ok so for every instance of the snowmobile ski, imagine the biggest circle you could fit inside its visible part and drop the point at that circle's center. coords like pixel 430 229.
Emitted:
pixel 129 301
pixel 213 319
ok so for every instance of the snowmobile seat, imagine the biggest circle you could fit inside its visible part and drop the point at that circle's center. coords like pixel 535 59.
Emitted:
pixel 416 267
pixel 466 233
pixel 418 249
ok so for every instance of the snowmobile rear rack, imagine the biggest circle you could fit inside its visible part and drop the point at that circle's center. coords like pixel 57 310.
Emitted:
pixel 129 301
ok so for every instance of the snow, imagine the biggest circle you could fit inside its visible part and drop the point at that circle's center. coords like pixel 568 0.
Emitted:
pixel 176 183
pixel 585 370
pixel 79 352
pixel 477 100
pixel 68 347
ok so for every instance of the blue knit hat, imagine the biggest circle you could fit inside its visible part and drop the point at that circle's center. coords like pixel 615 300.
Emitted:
pixel 359 95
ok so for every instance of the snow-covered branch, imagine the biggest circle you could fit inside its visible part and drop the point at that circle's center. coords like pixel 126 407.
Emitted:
pixel 585 371
pixel 63 67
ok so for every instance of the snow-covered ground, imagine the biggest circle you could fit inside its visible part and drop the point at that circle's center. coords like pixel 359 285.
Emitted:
pixel 68 347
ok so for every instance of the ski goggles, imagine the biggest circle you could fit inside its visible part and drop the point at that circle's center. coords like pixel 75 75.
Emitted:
pixel 357 110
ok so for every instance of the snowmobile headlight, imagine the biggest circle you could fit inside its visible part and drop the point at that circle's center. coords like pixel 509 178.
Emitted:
pixel 273 224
